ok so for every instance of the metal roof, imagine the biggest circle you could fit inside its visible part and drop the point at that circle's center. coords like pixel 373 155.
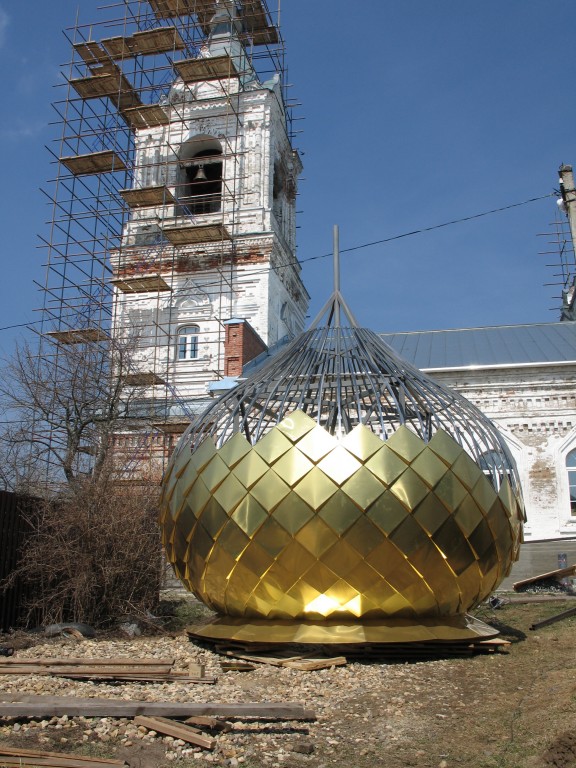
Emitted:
pixel 496 346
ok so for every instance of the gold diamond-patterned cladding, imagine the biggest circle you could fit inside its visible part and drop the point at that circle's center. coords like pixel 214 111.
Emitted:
pixel 302 526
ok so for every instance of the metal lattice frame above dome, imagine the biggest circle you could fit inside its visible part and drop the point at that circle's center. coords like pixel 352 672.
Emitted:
pixel 341 376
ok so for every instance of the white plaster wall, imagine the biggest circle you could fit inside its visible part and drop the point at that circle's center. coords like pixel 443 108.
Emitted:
pixel 535 409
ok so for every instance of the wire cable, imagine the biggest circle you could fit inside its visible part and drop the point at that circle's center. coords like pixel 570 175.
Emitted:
pixel 367 245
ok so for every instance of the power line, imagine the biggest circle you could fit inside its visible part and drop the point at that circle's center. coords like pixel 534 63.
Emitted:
pixel 439 226
pixel 363 245
pixel 20 325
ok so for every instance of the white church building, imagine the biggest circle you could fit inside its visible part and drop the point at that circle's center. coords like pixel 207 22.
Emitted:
pixel 523 377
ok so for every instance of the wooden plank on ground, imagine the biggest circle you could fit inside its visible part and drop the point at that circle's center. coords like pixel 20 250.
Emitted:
pixel 114 661
pixel 554 619
pixel 16 761
pixel 213 723
pixel 29 705
pixel 104 669
pixel 29 757
pixel 176 730
pixel 311 665
pixel 559 573
pixel 275 661
pixel 80 669
pixel 237 666
pixel 76 673
pixel 293 662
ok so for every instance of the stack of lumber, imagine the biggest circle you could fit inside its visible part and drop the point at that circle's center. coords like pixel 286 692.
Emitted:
pixel 118 669
pixel 15 757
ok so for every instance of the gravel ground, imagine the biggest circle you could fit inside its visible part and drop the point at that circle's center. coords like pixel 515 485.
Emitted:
pixel 482 712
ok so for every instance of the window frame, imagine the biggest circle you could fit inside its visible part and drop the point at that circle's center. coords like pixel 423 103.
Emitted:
pixel 570 465
pixel 187 340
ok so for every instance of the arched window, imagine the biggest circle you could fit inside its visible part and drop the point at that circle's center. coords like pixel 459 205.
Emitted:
pixel 571 468
pixel 187 342
pixel 199 185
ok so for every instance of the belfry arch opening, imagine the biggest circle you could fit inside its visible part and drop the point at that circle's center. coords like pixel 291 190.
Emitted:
pixel 199 186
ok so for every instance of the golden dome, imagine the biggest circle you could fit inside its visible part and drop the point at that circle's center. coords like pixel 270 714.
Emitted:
pixel 339 486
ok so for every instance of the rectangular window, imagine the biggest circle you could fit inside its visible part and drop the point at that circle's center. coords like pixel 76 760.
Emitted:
pixel 187 343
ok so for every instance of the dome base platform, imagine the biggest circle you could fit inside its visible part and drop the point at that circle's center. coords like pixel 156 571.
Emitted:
pixel 451 630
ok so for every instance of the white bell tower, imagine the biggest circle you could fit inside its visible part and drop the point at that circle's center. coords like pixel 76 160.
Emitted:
pixel 205 276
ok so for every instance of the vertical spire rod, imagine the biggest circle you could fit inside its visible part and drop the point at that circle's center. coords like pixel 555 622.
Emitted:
pixel 338 350
pixel 336 276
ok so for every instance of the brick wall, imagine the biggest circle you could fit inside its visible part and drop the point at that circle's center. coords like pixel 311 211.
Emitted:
pixel 241 344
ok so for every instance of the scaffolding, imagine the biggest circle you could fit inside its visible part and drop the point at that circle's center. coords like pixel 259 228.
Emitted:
pixel 561 245
pixel 126 233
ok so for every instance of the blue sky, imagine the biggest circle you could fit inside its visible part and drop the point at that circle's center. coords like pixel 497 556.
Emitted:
pixel 415 113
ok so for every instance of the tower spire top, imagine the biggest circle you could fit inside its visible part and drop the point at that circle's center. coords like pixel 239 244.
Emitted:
pixel 226 20
pixel 336 304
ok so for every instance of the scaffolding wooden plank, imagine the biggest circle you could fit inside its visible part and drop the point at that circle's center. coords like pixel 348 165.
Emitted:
pixel 95 86
pixel 145 116
pixel 143 379
pixel 141 284
pixel 151 41
pixel 119 47
pixel 256 23
pixel 95 162
pixel 159 40
pixel 78 336
pixel 204 233
pixel 148 197
pixel 196 70
pixel 124 95
pixel 91 52
pixel 168 9
pixel 107 80
pixel 254 16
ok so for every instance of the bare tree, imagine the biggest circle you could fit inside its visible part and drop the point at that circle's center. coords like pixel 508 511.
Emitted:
pixel 94 550
pixel 64 402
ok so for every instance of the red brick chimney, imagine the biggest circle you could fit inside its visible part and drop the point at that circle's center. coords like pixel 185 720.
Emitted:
pixel 241 344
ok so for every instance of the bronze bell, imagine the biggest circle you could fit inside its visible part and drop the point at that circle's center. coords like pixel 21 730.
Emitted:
pixel 200 175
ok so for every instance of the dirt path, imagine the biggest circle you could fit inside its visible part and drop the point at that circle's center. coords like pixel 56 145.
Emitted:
pixel 495 711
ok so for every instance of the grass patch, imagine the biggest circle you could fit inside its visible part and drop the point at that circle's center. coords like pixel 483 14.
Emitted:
pixel 178 611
